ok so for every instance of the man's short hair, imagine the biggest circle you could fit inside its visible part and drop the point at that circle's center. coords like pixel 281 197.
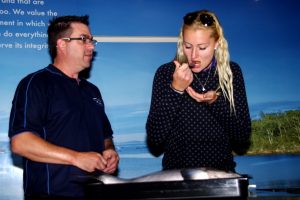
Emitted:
pixel 60 27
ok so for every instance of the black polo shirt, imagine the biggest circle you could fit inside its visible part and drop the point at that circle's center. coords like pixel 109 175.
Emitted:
pixel 65 113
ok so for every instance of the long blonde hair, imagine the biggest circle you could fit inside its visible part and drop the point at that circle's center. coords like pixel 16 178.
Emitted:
pixel 195 20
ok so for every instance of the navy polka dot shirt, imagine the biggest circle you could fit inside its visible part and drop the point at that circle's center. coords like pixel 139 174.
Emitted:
pixel 192 134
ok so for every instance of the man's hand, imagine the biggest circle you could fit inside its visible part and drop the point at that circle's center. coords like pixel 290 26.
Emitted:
pixel 90 161
pixel 112 159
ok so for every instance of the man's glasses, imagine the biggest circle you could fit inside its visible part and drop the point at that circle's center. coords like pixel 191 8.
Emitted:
pixel 84 39
pixel 205 19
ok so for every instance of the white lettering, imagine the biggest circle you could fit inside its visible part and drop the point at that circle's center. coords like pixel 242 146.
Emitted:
pixel 35 23
pixel 18 12
pixel 4 12
pixel 35 13
pixel 8 46
pixel 38 2
pixel 7 23
pixel 36 34
pixel 23 1
pixel 8 1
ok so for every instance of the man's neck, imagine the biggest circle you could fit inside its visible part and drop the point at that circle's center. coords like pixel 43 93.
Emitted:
pixel 65 68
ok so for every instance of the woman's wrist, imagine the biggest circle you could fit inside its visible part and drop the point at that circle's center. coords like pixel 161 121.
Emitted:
pixel 175 90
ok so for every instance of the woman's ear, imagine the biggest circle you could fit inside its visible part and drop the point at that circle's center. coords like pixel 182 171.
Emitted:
pixel 216 45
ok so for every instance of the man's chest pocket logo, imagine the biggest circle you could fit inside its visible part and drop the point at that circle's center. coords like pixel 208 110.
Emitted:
pixel 98 101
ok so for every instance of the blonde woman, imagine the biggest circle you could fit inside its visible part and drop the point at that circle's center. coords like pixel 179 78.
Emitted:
pixel 199 114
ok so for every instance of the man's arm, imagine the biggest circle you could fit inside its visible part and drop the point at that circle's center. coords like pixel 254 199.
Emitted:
pixel 29 145
pixel 109 144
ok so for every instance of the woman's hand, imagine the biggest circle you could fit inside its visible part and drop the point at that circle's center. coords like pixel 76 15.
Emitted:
pixel 182 77
pixel 208 97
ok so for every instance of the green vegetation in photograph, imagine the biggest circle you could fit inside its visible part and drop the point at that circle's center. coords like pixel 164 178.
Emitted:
pixel 276 133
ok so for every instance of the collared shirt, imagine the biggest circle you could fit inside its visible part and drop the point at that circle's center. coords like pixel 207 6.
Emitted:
pixel 64 112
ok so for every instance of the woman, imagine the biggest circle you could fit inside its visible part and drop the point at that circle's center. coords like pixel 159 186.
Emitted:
pixel 199 114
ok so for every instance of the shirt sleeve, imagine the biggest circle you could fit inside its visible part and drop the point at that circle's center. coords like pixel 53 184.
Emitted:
pixel 241 129
pixel 165 103
pixel 28 107
pixel 108 132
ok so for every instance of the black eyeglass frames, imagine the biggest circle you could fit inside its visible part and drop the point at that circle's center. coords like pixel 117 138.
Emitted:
pixel 204 18
pixel 84 39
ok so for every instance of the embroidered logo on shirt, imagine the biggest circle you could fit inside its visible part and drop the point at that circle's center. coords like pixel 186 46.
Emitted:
pixel 98 101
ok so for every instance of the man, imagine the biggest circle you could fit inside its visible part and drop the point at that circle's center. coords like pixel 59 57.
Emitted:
pixel 58 122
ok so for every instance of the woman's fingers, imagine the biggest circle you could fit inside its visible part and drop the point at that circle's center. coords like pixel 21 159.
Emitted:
pixel 208 97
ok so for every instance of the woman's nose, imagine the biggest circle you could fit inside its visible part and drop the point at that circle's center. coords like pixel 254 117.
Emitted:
pixel 195 53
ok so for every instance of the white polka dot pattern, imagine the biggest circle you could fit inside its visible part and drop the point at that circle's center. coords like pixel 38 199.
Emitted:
pixel 193 134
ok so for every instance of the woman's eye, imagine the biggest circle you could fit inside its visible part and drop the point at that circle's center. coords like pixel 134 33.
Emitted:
pixel 202 48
